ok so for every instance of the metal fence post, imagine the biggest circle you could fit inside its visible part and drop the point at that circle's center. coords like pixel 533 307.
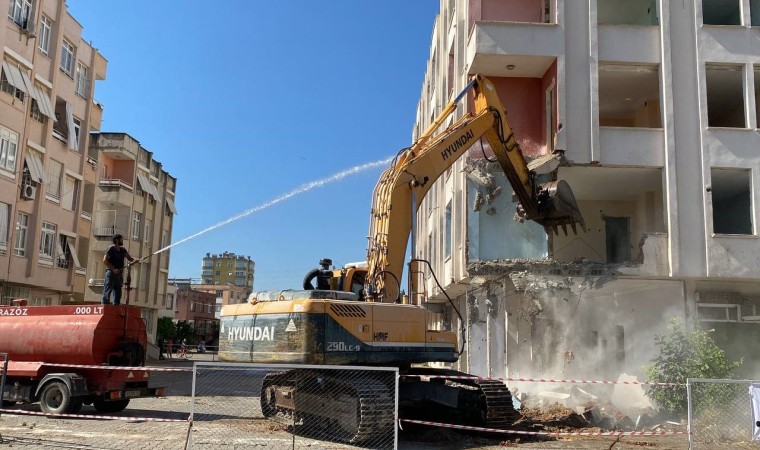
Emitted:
pixel 2 379
pixel 689 411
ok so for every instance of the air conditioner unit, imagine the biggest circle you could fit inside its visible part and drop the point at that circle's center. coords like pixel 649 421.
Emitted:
pixel 28 191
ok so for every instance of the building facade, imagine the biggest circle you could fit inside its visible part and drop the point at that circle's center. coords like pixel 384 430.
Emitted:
pixel 654 106
pixel 229 268
pixel 133 197
pixel 47 110
pixel 225 294
pixel 196 308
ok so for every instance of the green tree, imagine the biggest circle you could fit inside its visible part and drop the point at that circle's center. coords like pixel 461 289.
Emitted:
pixel 184 331
pixel 684 354
pixel 165 328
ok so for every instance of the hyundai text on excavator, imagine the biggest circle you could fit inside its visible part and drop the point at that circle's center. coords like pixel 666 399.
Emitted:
pixel 354 316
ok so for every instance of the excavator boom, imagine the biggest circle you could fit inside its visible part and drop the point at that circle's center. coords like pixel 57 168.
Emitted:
pixel 405 183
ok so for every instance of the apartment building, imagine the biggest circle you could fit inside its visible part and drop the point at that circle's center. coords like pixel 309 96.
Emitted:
pixel 47 110
pixel 195 307
pixel 225 294
pixel 229 268
pixel 654 108
pixel 134 197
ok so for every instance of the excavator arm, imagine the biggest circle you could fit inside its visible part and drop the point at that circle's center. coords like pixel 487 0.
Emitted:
pixel 402 186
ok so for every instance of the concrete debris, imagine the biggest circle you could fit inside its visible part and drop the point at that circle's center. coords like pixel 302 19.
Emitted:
pixel 579 408
pixel 479 174
pixel 479 201
pixel 493 193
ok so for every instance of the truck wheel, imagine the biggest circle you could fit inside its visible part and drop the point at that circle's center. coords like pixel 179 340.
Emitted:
pixel 112 406
pixel 55 398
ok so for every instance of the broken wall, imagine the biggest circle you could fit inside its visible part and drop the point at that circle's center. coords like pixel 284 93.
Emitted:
pixel 492 232
pixel 529 323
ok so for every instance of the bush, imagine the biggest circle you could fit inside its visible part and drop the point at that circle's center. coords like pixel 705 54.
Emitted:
pixel 684 354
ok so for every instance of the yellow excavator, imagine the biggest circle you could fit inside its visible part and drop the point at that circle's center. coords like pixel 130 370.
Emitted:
pixel 354 316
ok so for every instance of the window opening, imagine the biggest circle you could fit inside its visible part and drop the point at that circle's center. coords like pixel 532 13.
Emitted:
pixel 731 201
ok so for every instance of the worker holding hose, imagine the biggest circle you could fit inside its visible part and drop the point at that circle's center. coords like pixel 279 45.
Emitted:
pixel 114 262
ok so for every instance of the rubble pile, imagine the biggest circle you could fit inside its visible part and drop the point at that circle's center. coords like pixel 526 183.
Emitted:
pixel 574 408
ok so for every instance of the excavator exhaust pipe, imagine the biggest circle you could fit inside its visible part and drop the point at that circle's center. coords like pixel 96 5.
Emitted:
pixel 558 208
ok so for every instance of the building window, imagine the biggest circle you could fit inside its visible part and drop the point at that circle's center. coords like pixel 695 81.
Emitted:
pixel 169 301
pixel 70 195
pixel 5 211
pixel 82 81
pixel 147 316
pixel 209 309
pixel 721 12
pixel 43 41
pixel 136 219
pixel 11 293
pixel 77 126
pixel 7 85
pixel 22 227
pixel 219 294
pixel 63 259
pixel 725 96
pixel 36 300
pixel 8 147
pixel 47 242
pixel 35 113
pixel 165 239
pixel 148 233
pixel 717 312
pixel 218 264
pixel 53 185
pixel 447 233
pixel 731 201
pixel 192 305
pixel 19 11
pixel 67 57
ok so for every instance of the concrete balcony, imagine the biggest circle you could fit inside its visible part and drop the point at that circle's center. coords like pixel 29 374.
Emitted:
pixel 110 222
pixel 530 47
pixel 624 146
pixel 115 190
pixel 116 146
pixel 629 44
pixel 96 115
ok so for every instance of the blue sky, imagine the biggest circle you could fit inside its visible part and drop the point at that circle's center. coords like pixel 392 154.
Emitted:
pixel 244 101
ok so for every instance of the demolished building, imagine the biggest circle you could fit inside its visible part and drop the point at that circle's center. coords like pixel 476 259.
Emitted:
pixel 650 111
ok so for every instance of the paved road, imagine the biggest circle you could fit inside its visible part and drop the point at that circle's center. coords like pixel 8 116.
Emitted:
pixel 227 416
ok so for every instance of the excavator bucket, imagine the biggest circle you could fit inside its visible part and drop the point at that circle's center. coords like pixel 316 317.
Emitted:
pixel 558 208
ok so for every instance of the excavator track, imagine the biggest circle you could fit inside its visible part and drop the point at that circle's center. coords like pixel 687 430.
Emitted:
pixel 358 408
pixel 428 394
pixel 500 412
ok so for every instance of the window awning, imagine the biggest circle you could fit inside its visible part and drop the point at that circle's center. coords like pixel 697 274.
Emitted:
pixel 170 205
pixel 72 138
pixel 35 167
pixel 59 249
pixel 43 102
pixel 14 76
pixel 73 251
pixel 146 186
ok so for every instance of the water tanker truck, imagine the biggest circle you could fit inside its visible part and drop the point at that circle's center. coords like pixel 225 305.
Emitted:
pixel 71 355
